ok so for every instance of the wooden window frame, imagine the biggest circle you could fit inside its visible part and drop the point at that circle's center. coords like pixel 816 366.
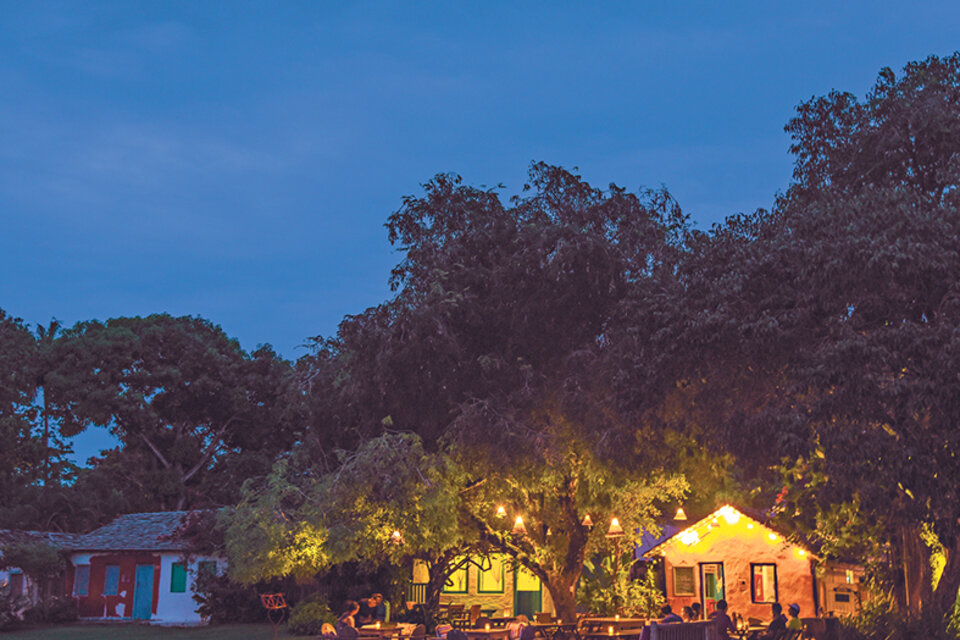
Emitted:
pixel 776 586
pixel 693 581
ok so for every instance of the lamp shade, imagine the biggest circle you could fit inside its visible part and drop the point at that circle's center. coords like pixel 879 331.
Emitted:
pixel 587 521
pixel 501 512
pixel 396 537
pixel 518 527
pixel 615 530
pixel 681 515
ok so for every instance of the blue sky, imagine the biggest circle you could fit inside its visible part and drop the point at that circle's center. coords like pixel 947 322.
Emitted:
pixel 238 160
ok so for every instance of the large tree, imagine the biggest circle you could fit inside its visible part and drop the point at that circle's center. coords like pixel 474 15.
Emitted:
pixel 183 398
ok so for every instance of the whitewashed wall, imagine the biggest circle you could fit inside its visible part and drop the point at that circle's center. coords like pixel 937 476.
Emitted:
pixel 180 608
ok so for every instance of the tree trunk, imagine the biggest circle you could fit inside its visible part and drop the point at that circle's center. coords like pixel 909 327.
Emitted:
pixel 562 588
pixel 917 587
pixel 945 596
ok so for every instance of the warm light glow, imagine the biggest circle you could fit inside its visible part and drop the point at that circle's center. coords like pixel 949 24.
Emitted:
pixel 689 537
pixel 610 629
pixel 731 515
pixel 681 514
pixel 396 537
pixel 486 627
pixel 617 617
pixel 587 521
pixel 772 536
pixel 518 527
pixel 749 525
pixel 501 512
pixel 615 530
pixel 378 624
pixel 801 552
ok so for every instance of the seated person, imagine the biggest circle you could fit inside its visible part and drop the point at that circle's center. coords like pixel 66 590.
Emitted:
pixel 724 624
pixel 794 623
pixel 776 627
pixel 347 619
pixel 697 611
pixel 668 616
pixel 688 614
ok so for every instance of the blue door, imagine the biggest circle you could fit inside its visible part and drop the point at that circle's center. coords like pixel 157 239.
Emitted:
pixel 143 592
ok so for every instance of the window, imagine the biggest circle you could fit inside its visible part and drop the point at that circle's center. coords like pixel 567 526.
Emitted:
pixel 207 566
pixel 457 582
pixel 81 581
pixel 683 582
pixel 763 583
pixel 111 580
pixel 491 580
pixel 841 597
pixel 178 578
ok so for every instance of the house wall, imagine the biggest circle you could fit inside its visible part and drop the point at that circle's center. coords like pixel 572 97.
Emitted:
pixel 98 605
pixel 180 608
pixel 503 603
pixel 737 545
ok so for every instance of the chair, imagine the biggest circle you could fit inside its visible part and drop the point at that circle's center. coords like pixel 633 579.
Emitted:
pixel 443 630
pixel 474 614
pixel 528 633
pixel 543 617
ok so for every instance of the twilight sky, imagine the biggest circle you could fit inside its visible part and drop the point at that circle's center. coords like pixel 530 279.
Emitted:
pixel 238 160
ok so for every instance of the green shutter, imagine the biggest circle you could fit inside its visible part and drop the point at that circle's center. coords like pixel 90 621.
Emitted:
pixel 178 578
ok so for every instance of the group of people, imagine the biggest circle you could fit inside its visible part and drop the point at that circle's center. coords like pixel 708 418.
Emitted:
pixel 778 626
pixel 360 612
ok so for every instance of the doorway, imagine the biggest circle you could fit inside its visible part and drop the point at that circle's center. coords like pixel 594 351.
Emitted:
pixel 143 592
pixel 712 586
pixel 527 593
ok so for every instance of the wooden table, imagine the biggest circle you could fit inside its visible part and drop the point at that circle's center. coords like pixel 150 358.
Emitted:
pixel 487 634
pixel 549 630
pixel 386 630
pixel 617 633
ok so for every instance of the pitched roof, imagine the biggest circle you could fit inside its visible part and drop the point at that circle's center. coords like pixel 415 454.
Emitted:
pixel 135 532
pixel 16 536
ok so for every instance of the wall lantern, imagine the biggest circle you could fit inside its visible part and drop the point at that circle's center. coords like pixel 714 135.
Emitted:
pixel 501 512
pixel 587 521
pixel 681 515
pixel 518 527
pixel 396 537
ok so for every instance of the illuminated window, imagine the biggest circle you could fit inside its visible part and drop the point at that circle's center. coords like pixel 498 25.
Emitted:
pixel 763 583
pixel 111 580
pixel 81 581
pixel 683 584
pixel 849 576
pixel 491 580
pixel 457 583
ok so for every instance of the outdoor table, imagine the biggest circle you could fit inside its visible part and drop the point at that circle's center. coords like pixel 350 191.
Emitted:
pixel 550 629
pixel 386 630
pixel 492 633
pixel 616 633
pixel 745 633
pixel 598 625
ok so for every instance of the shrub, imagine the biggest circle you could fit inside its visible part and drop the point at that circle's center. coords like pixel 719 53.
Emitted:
pixel 12 608
pixel 55 609
pixel 222 601
pixel 308 616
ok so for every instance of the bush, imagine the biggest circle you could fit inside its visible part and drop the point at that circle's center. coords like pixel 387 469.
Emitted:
pixel 12 608
pixel 222 601
pixel 55 609
pixel 308 616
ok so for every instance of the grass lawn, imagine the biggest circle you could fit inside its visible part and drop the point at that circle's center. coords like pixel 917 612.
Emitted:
pixel 144 632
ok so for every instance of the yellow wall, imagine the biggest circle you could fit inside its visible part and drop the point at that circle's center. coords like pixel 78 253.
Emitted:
pixel 738 544
pixel 501 602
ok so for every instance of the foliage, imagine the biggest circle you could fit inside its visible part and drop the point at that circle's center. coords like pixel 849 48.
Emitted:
pixel 39 560
pixel 53 609
pixel 223 601
pixel 308 615
pixel 600 594
pixel 12 608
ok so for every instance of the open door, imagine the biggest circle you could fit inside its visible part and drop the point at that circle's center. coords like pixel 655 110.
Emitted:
pixel 527 593
pixel 712 586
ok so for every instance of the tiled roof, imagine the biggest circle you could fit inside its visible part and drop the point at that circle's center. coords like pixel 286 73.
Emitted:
pixel 135 532
pixel 16 536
